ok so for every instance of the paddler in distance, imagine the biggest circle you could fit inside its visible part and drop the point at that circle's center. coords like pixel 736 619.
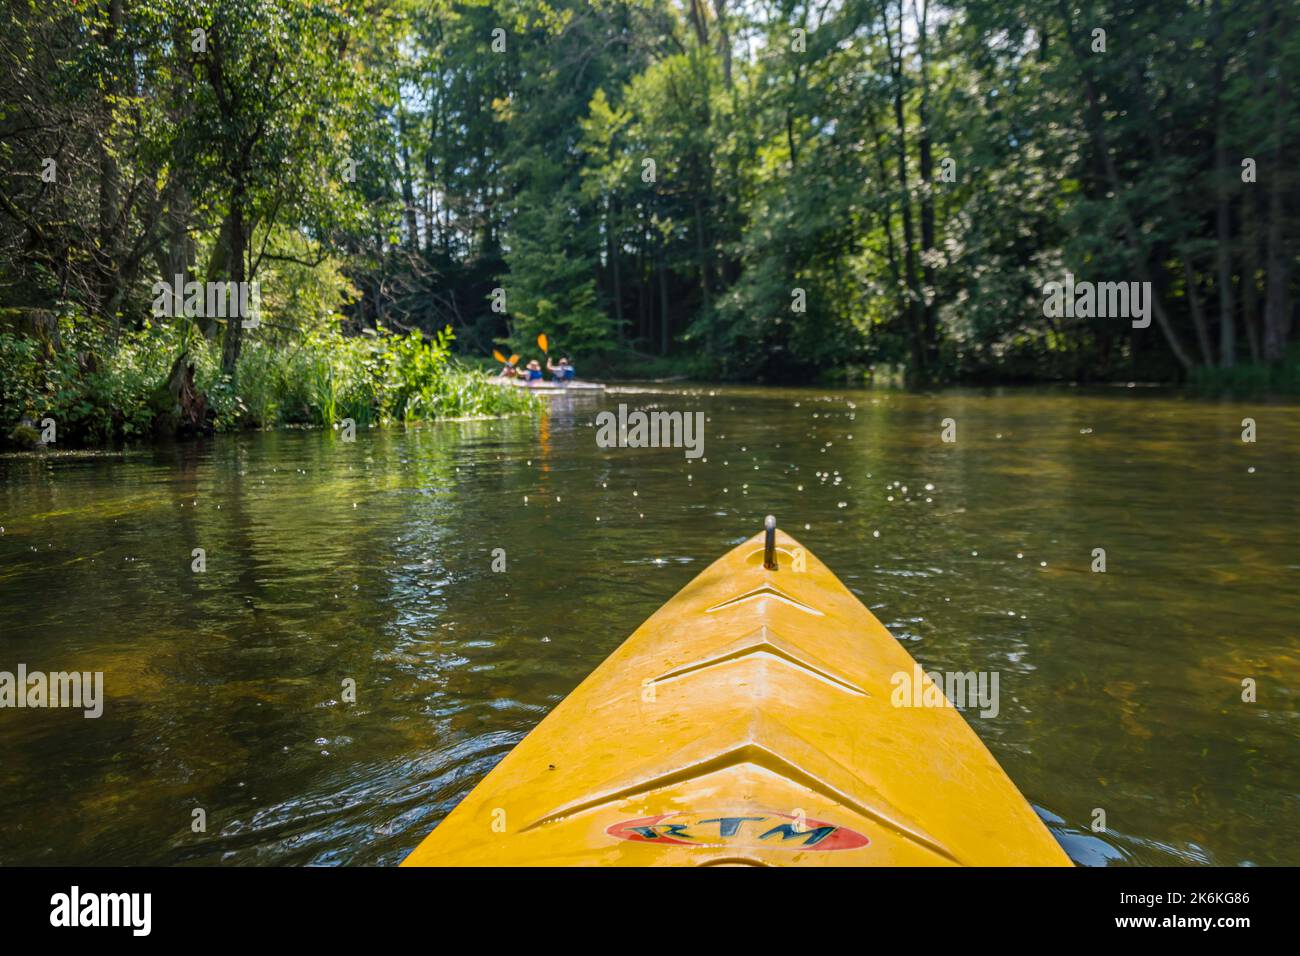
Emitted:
pixel 562 373
pixel 509 367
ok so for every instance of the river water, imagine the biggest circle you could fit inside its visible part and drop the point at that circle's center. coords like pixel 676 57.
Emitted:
pixel 372 562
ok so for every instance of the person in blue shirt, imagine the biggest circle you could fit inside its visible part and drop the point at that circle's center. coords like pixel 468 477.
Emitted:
pixel 534 371
pixel 562 372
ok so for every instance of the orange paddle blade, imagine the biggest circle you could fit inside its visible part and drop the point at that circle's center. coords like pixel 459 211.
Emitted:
pixel 513 359
pixel 496 354
pixel 541 342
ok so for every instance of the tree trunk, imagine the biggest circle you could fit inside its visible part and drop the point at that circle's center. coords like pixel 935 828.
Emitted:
pixel 702 253
pixel 663 302
pixel 887 215
pixel 234 339
pixel 176 257
pixel 1250 274
pixel 1223 253
pixel 724 40
pixel 642 284
pixel 929 326
pixel 1097 132
pixel 699 22
pixel 408 189
pixel 1277 305
pixel 218 270
pixel 109 186
pixel 916 319
pixel 1181 245
pixel 614 268
pixel 1222 214
pixel 1197 308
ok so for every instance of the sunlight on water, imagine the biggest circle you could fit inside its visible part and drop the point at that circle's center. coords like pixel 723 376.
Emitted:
pixel 373 561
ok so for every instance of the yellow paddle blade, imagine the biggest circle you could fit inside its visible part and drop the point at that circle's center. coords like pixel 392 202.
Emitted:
pixel 541 342
pixel 513 359
pixel 496 354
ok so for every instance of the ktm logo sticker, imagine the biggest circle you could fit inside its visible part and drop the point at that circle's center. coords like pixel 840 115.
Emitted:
pixel 732 830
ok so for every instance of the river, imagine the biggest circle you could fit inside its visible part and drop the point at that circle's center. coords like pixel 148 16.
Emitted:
pixel 372 561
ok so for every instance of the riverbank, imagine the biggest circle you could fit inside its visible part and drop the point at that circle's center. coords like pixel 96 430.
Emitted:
pixel 1243 379
pixel 70 384
pixel 65 383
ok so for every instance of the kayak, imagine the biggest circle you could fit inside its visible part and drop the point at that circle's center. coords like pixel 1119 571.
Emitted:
pixel 751 720
pixel 545 387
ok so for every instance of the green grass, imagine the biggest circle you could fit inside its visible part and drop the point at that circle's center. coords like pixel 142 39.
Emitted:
pixel 1283 377
pixel 100 392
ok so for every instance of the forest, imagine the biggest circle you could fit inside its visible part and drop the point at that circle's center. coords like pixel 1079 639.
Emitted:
pixel 845 191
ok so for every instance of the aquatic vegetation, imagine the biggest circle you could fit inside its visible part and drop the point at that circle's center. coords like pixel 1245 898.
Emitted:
pixel 98 391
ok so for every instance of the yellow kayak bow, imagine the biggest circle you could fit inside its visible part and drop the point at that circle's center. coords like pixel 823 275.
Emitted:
pixel 750 720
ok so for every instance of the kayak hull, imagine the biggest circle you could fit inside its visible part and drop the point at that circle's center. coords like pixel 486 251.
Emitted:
pixel 550 387
pixel 750 721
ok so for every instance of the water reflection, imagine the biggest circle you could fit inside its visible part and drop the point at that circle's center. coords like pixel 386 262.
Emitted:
pixel 372 562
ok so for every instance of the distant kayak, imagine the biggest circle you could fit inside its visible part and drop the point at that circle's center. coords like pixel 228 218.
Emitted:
pixel 540 385
pixel 753 719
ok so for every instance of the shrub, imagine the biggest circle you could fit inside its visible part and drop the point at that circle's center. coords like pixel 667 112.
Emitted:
pixel 99 392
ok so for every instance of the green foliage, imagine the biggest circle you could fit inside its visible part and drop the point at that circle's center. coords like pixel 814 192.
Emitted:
pixel 378 378
pixel 95 393
pixel 643 178
pixel 98 394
